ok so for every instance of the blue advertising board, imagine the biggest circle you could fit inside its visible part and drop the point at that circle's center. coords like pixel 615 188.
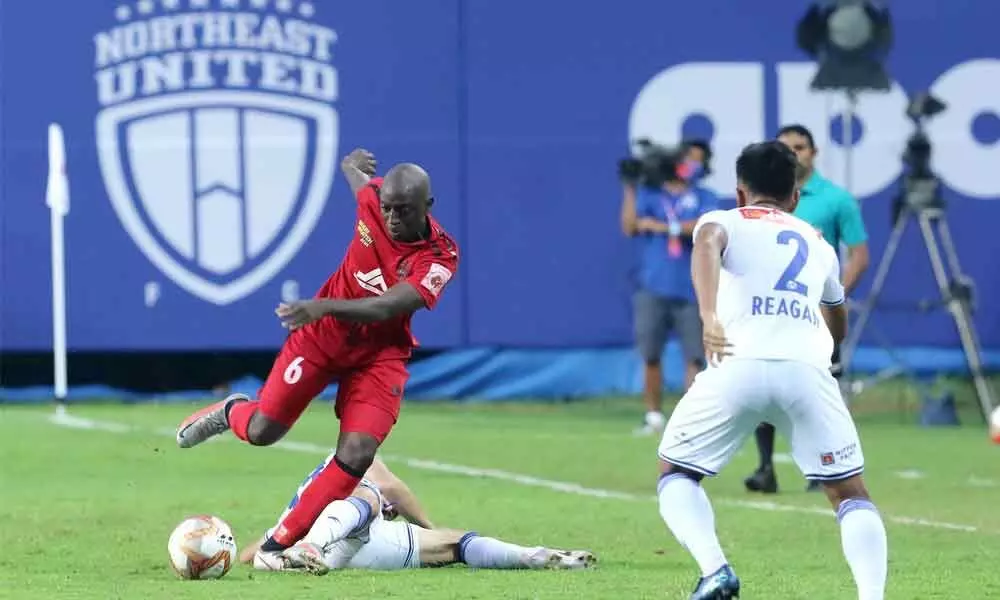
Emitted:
pixel 204 139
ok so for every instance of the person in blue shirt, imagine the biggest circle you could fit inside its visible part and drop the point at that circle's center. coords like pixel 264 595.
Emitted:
pixel 837 216
pixel 661 221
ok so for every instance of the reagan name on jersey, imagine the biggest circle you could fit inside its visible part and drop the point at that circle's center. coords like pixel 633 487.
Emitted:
pixel 782 307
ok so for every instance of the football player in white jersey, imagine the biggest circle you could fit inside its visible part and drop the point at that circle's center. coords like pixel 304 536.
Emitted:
pixel 359 533
pixel 769 295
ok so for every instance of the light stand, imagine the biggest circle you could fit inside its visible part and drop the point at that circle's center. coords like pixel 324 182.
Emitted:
pixel 849 40
pixel 920 201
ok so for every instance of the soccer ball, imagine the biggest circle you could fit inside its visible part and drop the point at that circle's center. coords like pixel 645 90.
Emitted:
pixel 202 547
pixel 995 425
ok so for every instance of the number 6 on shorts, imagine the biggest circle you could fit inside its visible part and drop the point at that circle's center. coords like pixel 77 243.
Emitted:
pixel 295 379
pixel 293 372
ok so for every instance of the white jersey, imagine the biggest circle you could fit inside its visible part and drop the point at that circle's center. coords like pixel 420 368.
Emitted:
pixel 776 272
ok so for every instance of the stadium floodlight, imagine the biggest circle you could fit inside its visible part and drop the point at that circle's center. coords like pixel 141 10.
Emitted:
pixel 850 40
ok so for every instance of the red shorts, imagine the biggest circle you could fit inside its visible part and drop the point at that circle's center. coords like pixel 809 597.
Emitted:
pixel 368 397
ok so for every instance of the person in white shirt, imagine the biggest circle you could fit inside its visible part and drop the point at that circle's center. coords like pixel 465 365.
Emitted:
pixel 769 295
pixel 362 532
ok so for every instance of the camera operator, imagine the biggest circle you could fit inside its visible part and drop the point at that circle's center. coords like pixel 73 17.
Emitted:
pixel 837 216
pixel 662 202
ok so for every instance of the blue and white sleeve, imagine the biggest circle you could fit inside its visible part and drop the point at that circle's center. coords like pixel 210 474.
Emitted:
pixel 833 289
pixel 719 217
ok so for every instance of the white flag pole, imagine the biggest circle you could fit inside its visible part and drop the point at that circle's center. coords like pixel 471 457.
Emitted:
pixel 57 199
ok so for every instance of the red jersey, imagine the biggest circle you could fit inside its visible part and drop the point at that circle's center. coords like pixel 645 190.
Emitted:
pixel 374 263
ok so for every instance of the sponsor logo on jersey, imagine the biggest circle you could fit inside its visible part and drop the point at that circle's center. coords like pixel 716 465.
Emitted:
pixel 373 281
pixel 436 278
pixel 365 234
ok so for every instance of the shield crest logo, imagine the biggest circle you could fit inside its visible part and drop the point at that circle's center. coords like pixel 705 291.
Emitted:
pixel 219 188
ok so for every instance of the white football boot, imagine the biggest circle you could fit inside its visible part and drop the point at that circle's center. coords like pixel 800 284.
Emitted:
pixel 270 561
pixel 305 556
pixel 548 558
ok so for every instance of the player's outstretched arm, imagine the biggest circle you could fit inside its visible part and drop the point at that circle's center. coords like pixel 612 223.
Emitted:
pixel 400 299
pixel 358 167
pixel 247 554
pixel 706 263
pixel 404 502
pixel 710 241
pixel 832 302
pixel 836 320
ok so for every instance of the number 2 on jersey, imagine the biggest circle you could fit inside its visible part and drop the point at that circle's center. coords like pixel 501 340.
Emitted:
pixel 787 281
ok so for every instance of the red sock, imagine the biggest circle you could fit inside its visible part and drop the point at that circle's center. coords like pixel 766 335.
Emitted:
pixel 332 483
pixel 239 418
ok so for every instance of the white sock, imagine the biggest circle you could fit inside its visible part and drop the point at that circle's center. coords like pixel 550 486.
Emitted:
pixel 655 418
pixel 338 520
pixel 686 510
pixel 489 553
pixel 862 536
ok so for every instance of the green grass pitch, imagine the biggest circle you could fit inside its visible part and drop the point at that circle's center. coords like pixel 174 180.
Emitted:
pixel 85 513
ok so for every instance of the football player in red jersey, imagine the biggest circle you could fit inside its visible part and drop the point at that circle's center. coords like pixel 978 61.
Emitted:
pixel 356 331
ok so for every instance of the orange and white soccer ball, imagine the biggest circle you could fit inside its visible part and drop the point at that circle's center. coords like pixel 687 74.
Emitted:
pixel 202 547
pixel 995 425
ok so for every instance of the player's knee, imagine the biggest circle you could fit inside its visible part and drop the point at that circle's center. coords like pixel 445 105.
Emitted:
pixel 667 469
pixel 369 497
pixel 264 431
pixel 845 489
pixel 357 450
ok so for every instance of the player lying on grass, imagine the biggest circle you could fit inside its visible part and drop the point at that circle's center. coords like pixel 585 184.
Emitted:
pixel 359 533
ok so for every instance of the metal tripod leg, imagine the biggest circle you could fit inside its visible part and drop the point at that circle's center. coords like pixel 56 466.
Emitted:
pixel 958 306
pixel 864 315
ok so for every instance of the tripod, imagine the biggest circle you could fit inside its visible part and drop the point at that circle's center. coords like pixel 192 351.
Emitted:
pixel 920 200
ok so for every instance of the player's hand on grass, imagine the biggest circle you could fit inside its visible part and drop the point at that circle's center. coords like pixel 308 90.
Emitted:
pixel 362 160
pixel 297 314
pixel 714 337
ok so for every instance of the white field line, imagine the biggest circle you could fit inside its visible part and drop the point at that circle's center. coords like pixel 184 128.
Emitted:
pixel 66 420
pixel 981 482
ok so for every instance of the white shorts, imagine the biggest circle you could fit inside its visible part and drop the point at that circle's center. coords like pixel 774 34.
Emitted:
pixel 726 403
pixel 392 546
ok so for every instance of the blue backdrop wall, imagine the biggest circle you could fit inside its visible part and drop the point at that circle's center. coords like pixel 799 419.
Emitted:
pixel 204 138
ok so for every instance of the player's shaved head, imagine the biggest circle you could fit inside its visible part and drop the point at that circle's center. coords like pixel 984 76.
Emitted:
pixel 408 179
pixel 406 198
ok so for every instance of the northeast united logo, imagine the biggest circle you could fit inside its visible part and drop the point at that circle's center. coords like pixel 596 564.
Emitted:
pixel 217 135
